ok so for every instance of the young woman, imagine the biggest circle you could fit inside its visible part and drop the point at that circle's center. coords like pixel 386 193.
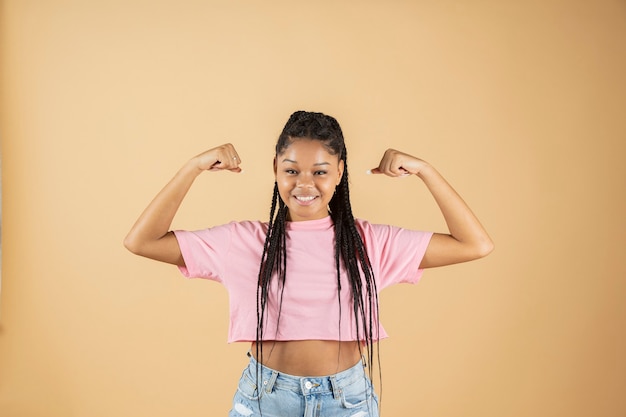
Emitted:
pixel 303 287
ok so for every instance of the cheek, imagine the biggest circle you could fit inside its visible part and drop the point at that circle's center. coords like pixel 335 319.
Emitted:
pixel 283 187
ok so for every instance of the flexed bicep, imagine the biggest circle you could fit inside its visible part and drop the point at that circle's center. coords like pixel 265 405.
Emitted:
pixel 150 236
pixel 444 249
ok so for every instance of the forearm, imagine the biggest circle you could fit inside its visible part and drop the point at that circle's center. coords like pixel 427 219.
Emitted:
pixel 467 239
pixel 150 236
pixel 471 240
pixel 155 221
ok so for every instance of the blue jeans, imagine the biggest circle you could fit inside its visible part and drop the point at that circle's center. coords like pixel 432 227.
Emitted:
pixel 346 394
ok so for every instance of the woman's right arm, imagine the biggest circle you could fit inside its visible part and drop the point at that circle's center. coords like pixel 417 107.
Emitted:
pixel 150 235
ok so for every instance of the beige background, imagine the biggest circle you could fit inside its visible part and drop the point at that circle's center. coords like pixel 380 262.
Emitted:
pixel 519 103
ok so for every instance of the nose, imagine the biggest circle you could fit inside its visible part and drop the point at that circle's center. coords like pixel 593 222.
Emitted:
pixel 304 180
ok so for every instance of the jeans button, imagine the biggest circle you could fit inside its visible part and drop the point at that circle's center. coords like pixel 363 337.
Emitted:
pixel 308 385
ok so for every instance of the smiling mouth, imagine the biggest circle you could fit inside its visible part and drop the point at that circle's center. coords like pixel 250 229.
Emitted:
pixel 305 199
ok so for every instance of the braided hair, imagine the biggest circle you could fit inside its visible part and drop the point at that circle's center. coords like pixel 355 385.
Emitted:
pixel 349 247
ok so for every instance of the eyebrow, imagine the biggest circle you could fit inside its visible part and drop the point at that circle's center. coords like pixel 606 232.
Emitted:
pixel 295 162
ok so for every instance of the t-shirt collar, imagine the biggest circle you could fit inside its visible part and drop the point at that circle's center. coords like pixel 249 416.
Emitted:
pixel 317 224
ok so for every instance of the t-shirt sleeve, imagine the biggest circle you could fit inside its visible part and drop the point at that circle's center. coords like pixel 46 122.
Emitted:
pixel 204 251
pixel 396 253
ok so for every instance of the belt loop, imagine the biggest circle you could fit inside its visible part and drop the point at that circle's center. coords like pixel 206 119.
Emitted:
pixel 336 389
pixel 269 384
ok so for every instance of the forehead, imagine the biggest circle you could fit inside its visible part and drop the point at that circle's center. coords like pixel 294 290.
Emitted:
pixel 303 150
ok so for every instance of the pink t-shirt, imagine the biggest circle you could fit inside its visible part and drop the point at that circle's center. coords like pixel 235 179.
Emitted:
pixel 231 254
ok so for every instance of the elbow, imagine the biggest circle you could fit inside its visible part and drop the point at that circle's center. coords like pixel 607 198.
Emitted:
pixel 484 248
pixel 132 245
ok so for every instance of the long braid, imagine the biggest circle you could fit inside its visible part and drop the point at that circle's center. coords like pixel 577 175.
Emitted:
pixel 351 246
pixel 273 258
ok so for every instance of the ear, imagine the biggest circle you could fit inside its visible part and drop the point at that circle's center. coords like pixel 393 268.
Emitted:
pixel 275 168
pixel 341 168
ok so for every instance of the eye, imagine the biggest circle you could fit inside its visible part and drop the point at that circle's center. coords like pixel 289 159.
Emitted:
pixel 321 172
pixel 290 171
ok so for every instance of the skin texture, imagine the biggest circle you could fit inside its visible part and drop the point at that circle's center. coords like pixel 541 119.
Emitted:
pixel 307 169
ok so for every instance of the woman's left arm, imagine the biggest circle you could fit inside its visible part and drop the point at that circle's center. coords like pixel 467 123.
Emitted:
pixel 467 239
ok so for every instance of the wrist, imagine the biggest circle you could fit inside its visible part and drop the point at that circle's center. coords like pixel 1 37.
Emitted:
pixel 426 170
pixel 191 168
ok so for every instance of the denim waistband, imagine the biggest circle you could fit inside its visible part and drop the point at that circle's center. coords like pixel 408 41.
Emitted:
pixel 272 379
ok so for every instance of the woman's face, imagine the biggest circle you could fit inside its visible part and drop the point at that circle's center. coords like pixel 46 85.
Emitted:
pixel 307 174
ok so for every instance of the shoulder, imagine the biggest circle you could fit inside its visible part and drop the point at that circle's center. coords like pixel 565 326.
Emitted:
pixel 372 233
pixel 247 227
pixel 362 223
pixel 383 233
pixel 365 226
pixel 247 224
pixel 234 228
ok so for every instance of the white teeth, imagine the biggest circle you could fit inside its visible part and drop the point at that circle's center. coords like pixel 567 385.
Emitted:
pixel 305 198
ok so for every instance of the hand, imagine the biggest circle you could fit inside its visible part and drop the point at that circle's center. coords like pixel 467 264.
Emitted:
pixel 398 164
pixel 223 157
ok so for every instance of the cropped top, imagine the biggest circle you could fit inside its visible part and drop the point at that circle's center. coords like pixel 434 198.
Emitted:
pixel 231 255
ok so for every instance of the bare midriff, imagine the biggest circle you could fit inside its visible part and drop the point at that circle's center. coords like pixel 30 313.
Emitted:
pixel 309 357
